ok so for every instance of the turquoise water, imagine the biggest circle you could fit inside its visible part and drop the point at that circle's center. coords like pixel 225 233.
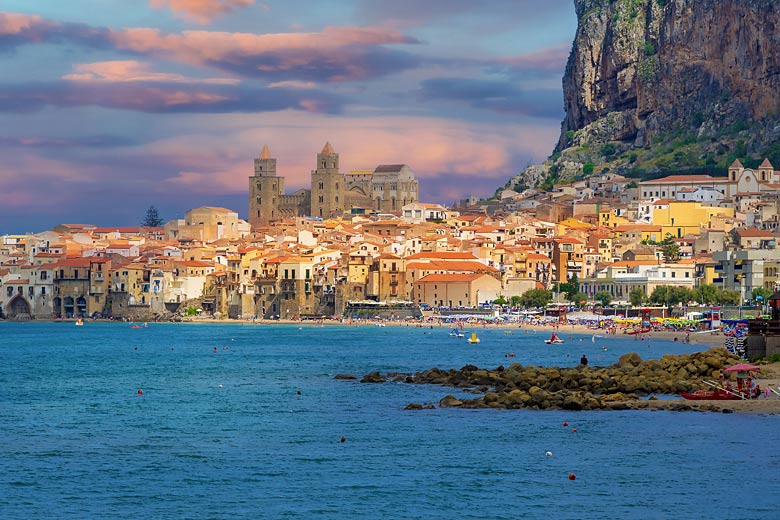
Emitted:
pixel 78 442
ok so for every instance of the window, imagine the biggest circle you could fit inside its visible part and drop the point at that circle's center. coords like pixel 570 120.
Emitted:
pixel 43 291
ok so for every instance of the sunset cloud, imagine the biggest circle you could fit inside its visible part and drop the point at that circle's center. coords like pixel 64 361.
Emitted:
pixel 201 11
pixel 161 97
pixel 131 70
pixel 335 54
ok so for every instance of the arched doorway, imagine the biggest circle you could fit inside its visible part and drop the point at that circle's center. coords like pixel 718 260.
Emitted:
pixel 67 308
pixel 18 308
pixel 81 306
pixel 57 302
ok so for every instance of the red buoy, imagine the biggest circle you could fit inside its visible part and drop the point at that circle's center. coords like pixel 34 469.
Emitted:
pixel 574 430
pixel 566 423
pixel 140 392
pixel 572 476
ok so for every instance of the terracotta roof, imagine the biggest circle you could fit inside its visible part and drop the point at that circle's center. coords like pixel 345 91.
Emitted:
pixel 327 149
pixel 684 178
pixel 265 154
pixel 736 164
pixel 753 232
pixel 766 164
pixel 444 255
pixel 444 278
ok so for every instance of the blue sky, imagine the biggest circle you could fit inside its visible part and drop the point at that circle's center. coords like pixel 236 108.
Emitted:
pixel 109 106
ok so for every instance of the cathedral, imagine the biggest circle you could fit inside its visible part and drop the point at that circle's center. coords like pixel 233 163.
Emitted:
pixel 388 187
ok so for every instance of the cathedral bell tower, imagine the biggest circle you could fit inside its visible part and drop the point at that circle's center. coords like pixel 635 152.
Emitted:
pixel 265 188
pixel 327 185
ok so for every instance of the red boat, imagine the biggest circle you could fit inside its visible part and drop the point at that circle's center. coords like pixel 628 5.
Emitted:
pixel 710 395
pixel 639 331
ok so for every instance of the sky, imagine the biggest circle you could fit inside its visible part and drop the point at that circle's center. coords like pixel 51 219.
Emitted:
pixel 108 107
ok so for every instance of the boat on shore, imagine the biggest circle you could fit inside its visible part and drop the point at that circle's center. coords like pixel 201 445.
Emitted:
pixel 711 395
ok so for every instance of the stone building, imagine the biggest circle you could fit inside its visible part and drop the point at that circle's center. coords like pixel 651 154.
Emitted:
pixel 385 188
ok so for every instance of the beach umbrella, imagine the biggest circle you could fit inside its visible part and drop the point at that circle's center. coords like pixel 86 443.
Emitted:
pixel 742 367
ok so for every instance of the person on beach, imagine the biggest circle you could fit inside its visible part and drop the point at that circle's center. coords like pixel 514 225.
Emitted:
pixel 584 361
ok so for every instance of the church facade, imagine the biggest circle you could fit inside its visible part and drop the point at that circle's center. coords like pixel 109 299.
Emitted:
pixel 386 188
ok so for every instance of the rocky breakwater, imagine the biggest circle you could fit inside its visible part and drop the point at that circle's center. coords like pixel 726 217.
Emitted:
pixel 617 387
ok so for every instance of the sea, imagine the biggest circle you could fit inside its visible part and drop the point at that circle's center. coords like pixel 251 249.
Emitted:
pixel 235 421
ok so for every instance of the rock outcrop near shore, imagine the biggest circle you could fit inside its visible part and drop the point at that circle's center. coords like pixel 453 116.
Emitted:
pixel 616 387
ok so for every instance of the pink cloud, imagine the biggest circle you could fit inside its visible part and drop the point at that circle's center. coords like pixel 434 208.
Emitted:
pixel 335 54
pixel 549 59
pixel 131 70
pixel 16 23
pixel 201 11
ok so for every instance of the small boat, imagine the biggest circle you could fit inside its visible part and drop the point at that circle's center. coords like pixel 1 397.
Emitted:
pixel 455 333
pixel 711 395
pixel 473 338
pixel 79 322
pixel 135 326
pixel 554 340
pixel 639 331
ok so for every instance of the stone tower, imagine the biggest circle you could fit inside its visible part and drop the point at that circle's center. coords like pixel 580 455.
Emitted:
pixel 327 185
pixel 265 189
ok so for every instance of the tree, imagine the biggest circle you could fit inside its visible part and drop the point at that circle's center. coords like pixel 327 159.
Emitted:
pixel 761 294
pixel 706 294
pixel 578 298
pixel 515 300
pixel 570 287
pixel 728 297
pixel 152 218
pixel 670 295
pixel 670 249
pixel 637 296
pixel 604 297
pixel 535 298
pixel 500 301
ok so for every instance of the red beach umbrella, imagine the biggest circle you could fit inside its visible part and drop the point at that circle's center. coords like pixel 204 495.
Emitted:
pixel 742 367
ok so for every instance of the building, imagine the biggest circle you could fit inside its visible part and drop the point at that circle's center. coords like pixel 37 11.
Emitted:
pixel 331 193
pixel 207 224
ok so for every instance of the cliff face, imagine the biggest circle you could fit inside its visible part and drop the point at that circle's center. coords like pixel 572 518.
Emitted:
pixel 654 65
pixel 655 85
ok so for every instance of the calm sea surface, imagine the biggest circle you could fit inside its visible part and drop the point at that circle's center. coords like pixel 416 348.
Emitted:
pixel 78 442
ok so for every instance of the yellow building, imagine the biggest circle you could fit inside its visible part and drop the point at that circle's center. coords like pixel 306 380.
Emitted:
pixel 679 218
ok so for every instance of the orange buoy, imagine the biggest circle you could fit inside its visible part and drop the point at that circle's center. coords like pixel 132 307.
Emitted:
pixel 343 439
pixel 566 423
pixel 572 476
pixel 574 430
pixel 140 392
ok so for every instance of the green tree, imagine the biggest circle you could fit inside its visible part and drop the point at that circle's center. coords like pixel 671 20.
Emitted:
pixel 761 294
pixel 500 301
pixel 571 287
pixel 637 296
pixel 152 218
pixel 604 297
pixel 670 295
pixel 728 297
pixel 515 300
pixel 578 298
pixel 535 298
pixel 706 294
pixel 670 249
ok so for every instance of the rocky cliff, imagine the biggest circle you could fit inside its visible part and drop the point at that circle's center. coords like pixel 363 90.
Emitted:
pixel 657 85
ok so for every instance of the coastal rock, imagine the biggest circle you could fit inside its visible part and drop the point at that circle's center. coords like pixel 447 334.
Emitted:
pixel 413 406
pixel 344 377
pixel 373 377
pixel 450 402
pixel 629 360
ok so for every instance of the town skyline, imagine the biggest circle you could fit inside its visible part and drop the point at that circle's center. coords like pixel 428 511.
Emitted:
pixel 167 102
